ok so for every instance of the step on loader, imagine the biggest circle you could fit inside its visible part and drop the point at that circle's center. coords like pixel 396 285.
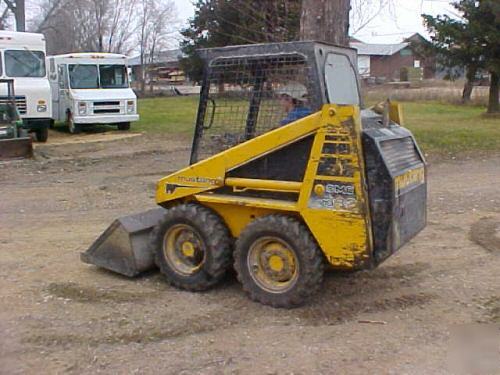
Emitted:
pixel 15 143
pixel 287 176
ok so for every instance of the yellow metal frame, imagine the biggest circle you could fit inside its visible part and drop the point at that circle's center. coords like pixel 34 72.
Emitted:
pixel 334 206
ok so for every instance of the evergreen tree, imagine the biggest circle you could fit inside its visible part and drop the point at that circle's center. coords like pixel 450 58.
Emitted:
pixel 218 23
pixel 473 42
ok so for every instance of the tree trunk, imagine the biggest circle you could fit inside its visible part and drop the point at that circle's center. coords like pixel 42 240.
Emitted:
pixel 469 83
pixel 493 102
pixel 325 20
pixel 20 16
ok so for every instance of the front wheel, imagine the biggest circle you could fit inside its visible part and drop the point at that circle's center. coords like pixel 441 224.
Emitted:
pixel 42 134
pixel 124 126
pixel 192 246
pixel 278 262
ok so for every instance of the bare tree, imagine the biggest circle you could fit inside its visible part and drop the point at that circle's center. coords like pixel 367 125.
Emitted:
pixel 325 20
pixel 17 7
pixel 4 17
pixel 156 23
pixel 122 26
pixel 365 11
pixel 88 25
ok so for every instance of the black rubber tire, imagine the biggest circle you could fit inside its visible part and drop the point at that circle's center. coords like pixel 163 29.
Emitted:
pixel 215 235
pixel 308 253
pixel 51 124
pixel 124 126
pixel 42 134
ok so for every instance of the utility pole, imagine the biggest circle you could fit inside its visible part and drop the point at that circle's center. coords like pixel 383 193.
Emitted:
pixel 18 8
pixel 325 20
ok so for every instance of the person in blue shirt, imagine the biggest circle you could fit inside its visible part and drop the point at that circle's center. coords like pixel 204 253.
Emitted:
pixel 293 101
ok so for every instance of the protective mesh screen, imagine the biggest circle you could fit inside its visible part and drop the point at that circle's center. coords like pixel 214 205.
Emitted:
pixel 249 96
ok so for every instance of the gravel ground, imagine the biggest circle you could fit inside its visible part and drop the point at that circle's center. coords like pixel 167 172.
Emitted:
pixel 61 315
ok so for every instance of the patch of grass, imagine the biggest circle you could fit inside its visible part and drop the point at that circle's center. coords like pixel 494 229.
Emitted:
pixel 167 114
pixel 439 128
pixel 452 128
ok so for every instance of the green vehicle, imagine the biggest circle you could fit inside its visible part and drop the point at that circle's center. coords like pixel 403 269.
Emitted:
pixel 14 139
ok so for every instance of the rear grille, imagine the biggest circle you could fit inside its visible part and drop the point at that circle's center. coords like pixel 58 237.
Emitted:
pixel 400 154
pixel 20 103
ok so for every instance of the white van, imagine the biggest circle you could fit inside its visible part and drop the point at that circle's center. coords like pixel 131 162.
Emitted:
pixel 91 88
pixel 23 59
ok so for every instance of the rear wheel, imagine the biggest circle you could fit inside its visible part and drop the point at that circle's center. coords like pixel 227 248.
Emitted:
pixel 278 261
pixel 42 134
pixel 73 128
pixel 124 126
pixel 193 247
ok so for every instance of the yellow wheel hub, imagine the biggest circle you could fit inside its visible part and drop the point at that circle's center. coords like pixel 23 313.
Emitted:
pixel 276 263
pixel 188 249
pixel 183 249
pixel 273 264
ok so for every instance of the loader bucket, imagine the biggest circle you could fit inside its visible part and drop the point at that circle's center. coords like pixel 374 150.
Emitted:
pixel 124 246
pixel 16 148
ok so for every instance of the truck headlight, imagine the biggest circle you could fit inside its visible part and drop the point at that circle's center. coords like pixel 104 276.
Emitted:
pixel 130 106
pixel 82 108
pixel 41 106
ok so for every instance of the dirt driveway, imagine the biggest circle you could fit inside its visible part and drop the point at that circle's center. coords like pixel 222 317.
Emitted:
pixel 58 315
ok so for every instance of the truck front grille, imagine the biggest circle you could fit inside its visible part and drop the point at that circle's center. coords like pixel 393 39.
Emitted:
pixel 109 106
pixel 97 104
pixel 20 103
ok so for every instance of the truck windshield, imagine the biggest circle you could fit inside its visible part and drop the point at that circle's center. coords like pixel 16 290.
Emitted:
pixel 113 76
pixel 83 76
pixel 24 63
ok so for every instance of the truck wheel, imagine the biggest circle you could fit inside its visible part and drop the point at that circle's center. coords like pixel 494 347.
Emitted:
pixel 192 247
pixel 73 128
pixel 124 126
pixel 51 124
pixel 278 262
pixel 42 134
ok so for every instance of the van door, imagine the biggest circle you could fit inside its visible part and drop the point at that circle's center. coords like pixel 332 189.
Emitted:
pixel 54 88
pixel 64 101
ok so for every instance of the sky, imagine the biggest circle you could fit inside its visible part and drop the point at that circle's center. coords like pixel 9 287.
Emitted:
pixel 391 26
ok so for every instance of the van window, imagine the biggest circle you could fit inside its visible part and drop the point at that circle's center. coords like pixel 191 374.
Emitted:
pixel 83 76
pixel 113 76
pixel 341 81
pixel 24 63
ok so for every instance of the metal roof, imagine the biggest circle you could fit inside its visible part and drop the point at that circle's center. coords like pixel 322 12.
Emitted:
pixel 91 55
pixel 169 56
pixel 378 49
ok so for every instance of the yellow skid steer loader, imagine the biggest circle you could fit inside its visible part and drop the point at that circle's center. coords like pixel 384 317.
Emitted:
pixel 287 175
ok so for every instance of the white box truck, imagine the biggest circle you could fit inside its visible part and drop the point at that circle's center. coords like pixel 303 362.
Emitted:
pixel 23 60
pixel 91 88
